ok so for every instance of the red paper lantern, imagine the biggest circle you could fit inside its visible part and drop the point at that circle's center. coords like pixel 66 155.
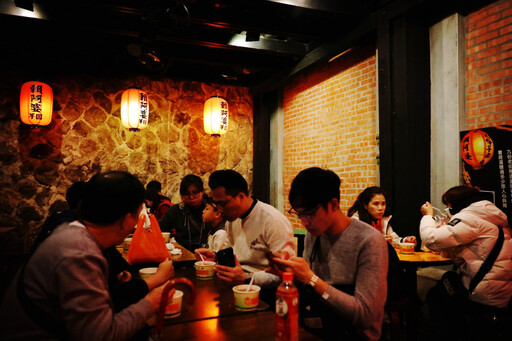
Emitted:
pixel 134 109
pixel 477 148
pixel 215 116
pixel 36 103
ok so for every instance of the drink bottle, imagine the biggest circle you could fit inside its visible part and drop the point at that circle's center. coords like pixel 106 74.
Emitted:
pixel 287 310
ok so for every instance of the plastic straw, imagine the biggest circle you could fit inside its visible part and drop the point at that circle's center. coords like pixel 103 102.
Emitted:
pixel 249 288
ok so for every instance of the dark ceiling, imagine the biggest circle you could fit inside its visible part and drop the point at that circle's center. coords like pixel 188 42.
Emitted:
pixel 239 42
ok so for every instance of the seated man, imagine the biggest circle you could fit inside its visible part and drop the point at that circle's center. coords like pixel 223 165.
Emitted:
pixel 62 290
pixel 249 222
pixel 345 265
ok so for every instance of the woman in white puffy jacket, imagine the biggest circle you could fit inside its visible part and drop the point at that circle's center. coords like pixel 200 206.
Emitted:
pixel 469 237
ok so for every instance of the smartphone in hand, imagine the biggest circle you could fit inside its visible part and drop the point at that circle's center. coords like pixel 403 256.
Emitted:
pixel 226 257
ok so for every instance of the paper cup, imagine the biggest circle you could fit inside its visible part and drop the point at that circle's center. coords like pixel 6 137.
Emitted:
pixel 167 236
pixel 173 308
pixel 407 247
pixel 126 243
pixel 146 272
pixel 246 300
pixel 204 270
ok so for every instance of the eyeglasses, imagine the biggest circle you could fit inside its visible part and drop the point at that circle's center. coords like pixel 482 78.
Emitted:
pixel 306 214
pixel 192 194
pixel 221 204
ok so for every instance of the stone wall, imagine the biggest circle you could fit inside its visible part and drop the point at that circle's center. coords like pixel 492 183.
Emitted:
pixel 86 136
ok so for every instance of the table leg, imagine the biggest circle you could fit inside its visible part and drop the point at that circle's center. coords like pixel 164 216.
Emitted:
pixel 411 314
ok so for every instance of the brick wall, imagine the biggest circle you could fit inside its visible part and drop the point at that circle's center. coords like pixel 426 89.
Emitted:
pixel 489 66
pixel 330 121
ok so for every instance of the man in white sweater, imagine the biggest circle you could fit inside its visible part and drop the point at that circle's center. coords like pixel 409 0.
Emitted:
pixel 249 222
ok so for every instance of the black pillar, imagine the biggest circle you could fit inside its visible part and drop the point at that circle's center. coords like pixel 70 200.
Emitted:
pixel 264 104
pixel 404 116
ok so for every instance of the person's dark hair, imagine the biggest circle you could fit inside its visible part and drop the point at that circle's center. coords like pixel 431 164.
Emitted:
pixel 154 197
pixel 231 180
pixel 154 185
pixel 363 199
pixel 209 201
pixel 110 196
pixel 314 186
pixel 189 180
pixel 74 194
pixel 460 197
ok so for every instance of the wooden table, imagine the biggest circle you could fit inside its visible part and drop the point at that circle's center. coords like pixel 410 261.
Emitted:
pixel 213 315
pixel 411 263
pixel 214 298
pixel 257 326
pixel 185 258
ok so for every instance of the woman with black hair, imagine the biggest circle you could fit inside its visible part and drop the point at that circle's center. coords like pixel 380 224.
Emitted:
pixel 469 237
pixel 156 203
pixel 184 220
pixel 370 207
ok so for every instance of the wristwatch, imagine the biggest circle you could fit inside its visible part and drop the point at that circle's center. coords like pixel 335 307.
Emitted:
pixel 312 283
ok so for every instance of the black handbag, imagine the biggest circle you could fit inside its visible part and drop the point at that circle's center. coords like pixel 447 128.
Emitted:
pixel 451 283
pixel 448 300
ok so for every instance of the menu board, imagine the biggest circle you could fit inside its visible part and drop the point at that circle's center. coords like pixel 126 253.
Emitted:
pixel 491 171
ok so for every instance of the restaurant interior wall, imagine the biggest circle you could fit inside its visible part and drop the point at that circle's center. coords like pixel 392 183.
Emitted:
pixel 488 37
pixel 330 121
pixel 86 136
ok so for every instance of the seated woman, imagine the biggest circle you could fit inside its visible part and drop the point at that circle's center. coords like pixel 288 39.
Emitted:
pixel 469 237
pixel 370 207
pixel 156 203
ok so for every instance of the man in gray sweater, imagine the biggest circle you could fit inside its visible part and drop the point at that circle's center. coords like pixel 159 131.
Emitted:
pixel 345 262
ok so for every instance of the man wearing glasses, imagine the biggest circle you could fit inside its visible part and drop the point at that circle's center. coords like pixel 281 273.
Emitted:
pixel 345 262
pixel 184 220
pixel 250 222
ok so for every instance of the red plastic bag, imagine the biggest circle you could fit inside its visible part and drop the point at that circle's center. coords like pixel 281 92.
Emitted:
pixel 148 244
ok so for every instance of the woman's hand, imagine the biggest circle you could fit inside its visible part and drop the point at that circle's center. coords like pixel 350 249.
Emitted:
pixel 164 272
pixel 427 209
pixel 155 296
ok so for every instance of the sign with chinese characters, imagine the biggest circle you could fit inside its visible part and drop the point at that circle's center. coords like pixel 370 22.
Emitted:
pixel 36 103
pixel 134 109
pixel 491 170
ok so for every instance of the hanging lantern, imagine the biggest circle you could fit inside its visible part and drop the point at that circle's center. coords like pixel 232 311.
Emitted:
pixel 134 109
pixel 216 116
pixel 477 148
pixel 36 103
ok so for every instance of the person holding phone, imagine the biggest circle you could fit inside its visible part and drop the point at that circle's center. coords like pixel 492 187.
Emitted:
pixel 249 222
pixel 342 277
